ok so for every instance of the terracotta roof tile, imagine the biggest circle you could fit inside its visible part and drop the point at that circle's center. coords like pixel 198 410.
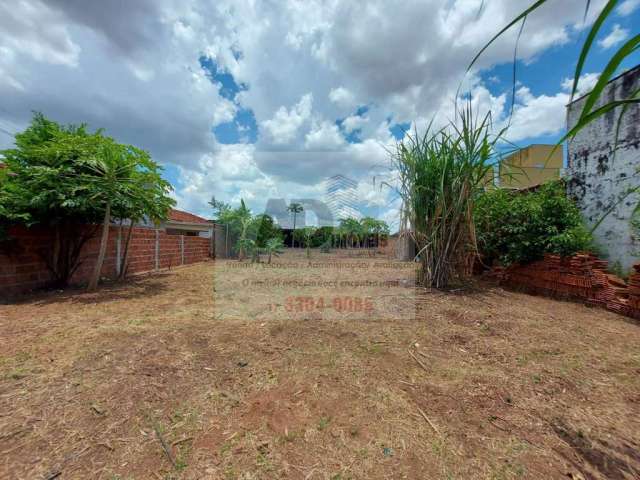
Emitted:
pixel 186 217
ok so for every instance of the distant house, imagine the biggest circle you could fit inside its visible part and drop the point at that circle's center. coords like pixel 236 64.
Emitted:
pixel 529 167
pixel 185 223
pixel 599 179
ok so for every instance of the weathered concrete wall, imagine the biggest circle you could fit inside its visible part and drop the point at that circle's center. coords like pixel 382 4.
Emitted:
pixel 598 178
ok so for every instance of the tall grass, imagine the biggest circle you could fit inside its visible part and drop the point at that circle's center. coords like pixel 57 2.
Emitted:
pixel 441 173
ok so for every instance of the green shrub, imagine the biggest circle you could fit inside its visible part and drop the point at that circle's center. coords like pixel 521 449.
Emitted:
pixel 520 227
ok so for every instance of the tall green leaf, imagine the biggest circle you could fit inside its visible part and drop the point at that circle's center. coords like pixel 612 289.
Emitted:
pixel 586 47
pixel 627 49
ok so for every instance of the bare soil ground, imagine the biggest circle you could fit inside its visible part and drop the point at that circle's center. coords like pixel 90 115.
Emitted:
pixel 150 380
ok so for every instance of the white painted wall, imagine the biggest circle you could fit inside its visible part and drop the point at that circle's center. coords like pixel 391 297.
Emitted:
pixel 597 178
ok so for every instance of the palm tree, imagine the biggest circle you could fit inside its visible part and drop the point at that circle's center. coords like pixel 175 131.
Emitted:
pixel 243 242
pixel 294 208
pixel 352 230
pixel 273 247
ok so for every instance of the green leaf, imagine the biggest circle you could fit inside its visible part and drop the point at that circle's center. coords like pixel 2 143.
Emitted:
pixel 586 47
pixel 522 16
pixel 583 122
pixel 608 72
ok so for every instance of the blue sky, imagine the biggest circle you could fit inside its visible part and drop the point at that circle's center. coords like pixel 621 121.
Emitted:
pixel 259 100
pixel 543 74
pixel 546 72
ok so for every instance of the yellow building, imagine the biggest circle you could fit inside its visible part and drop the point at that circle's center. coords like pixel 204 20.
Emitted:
pixel 530 166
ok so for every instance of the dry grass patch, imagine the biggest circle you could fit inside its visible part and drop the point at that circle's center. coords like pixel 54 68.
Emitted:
pixel 146 380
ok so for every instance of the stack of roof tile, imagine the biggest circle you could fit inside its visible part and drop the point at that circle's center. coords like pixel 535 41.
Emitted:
pixel 633 290
pixel 582 277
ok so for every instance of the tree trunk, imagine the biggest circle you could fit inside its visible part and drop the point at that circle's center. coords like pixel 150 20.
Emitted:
pixel 293 234
pixel 124 264
pixel 93 283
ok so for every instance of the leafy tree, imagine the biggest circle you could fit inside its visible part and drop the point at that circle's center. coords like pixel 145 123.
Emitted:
pixel 220 208
pixel 374 227
pixel 516 227
pixel 307 234
pixel 48 188
pixel 322 236
pixel 340 234
pixel 149 198
pixel 352 230
pixel 245 221
pixel 266 229
pixel 247 246
pixel 129 184
pixel 368 225
pixel 57 181
pixel 381 230
pixel 238 221
pixel 243 225
pixel 596 103
pixel 294 208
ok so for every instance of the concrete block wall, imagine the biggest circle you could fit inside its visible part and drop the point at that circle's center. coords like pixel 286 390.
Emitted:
pixel 23 269
pixel 597 178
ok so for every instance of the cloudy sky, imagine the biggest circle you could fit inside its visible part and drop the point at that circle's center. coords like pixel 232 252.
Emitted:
pixel 267 99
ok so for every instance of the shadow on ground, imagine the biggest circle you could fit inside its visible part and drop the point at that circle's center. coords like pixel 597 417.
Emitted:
pixel 147 286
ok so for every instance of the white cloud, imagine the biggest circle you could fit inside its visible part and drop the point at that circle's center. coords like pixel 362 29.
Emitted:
pixel 224 111
pixel 536 116
pixel 545 114
pixel 284 125
pixel 230 172
pixel 36 31
pixel 139 76
pixel 616 36
pixel 342 97
pixel 354 122
pixel 628 7
pixel 586 82
pixel 324 136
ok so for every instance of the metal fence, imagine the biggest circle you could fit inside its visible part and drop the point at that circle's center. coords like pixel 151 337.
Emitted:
pixel 221 241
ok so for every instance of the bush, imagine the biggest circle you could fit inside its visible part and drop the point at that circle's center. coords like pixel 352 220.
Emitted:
pixel 520 227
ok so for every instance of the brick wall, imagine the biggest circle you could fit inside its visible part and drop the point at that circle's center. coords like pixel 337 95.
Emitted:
pixel 23 269
pixel 582 277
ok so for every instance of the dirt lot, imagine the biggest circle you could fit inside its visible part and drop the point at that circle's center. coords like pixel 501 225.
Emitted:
pixel 157 380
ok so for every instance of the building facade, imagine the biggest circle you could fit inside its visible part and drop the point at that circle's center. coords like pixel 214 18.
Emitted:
pixel 600 178
pixel 530 166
